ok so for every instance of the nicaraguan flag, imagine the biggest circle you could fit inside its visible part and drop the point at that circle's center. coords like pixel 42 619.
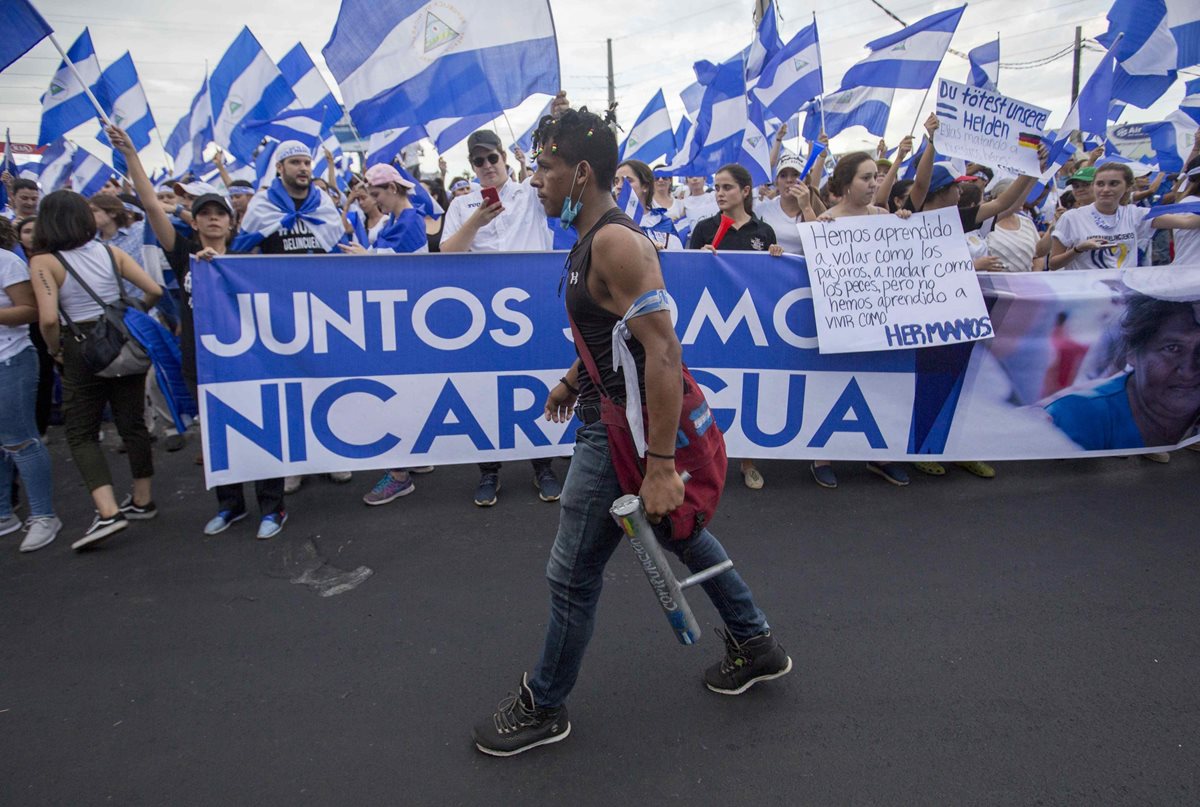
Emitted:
pixel 1183 18
pixel 65 104
pixel 525 141
pixel 245 86
pixel 1190 105
pixel 88 173
pixel 55 167
pixel 309 126
pixel 720 125
pixel 385 146
pixel 765 46
pixel 23 28
pixel 862 106
pixel 274 210
pixel 1171 140
pixel 985 65
pixel 1062 151
pixel 793 77
pixel 306 81
pixel 756 146
pixel 651 137
pixel 629 203
pixel 124 101
pixel 408 62
pixel 186 144
pixel 320 163
pixel 907 59
pixel 1089 113
pixel 447 133
pixel 1146 55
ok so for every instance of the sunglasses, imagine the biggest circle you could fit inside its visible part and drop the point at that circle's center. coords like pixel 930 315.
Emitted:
pixel 491 159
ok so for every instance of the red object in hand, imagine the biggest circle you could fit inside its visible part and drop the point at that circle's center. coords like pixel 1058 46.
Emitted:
pixel 723 228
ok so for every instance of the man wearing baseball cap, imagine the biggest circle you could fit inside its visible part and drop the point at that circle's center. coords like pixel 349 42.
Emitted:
pixel 516 222
pixel 294 217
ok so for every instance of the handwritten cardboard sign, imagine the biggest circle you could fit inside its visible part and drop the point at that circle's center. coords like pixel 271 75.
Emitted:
pixel 989 128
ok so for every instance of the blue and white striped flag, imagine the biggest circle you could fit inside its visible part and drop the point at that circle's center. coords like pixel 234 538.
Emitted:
pixel 651 137
pixel 755 156
pixel 124 101
pixel 629 203
pixel 862 106
pixel 408 62
pixel 1089 113
pixel 88 173
pixel 23 28
pixel 793 77
pixel 309 126
pixel 55 167
pixel 907 59
pixel 186 144
pixel 720 125
pixel 1060 153
pixel 985 65
pixel 1147 53
pixel 446 133
pixel 525 141
pixel 1190 105
pixel 1183 18
pixel 245 86
pixel 65 104
pixel 765 45
pixel 306 81
pixel 385 146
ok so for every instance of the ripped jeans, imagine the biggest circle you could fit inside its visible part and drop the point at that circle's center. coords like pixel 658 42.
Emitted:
pixel 22 448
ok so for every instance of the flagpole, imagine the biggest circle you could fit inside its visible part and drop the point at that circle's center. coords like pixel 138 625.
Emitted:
pixel 511 133
pixel 917 120
pixel 821 67
pixel 79 78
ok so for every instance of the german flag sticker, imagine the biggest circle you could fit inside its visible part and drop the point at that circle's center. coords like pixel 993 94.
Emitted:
pixel 1029 140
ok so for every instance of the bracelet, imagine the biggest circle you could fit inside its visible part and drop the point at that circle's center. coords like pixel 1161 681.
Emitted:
pixel 658 456
pixel 567 384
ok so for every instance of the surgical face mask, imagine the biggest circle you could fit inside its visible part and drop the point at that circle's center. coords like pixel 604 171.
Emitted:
pixel 571 209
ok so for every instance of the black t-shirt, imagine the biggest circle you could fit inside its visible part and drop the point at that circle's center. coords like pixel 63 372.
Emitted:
pixel 753 236
pixel 180 259
pixel 298 240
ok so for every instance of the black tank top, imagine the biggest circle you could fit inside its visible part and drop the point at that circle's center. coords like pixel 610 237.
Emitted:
pixel 595 323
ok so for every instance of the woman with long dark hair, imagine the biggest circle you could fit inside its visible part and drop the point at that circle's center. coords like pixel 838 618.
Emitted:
pixel 65 237
pixel 656 222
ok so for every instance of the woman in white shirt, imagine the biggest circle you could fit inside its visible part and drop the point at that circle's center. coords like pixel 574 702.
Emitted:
pixel 791 207
pixel 1013 240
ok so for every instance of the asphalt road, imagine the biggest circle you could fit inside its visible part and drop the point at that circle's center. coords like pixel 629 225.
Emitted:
pixel 1028 640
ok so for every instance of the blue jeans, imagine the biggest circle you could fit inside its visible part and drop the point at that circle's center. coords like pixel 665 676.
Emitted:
pixel 19 436
pixel 587 537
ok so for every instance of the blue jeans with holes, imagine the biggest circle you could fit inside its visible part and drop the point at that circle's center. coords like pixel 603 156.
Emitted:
pixel 22 448
pixel 587 537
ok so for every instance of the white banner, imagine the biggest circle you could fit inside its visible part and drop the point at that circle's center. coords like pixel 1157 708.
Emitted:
pixel 886 283
pixel 989 128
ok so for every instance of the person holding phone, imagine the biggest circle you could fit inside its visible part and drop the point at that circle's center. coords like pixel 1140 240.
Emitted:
pixel 503 215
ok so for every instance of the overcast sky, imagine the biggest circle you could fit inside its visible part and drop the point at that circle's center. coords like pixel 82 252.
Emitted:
pixel 655 43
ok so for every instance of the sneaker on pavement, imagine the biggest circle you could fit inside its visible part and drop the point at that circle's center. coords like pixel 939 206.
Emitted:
pixel 421 469
pixel 891 471
pixel 174 442
pixel 9 524
pixel 1158 456
pixel 549 488
pixel 41 531
pixel 824 475
pixel 291 484
pixel 753 478
pixel 138 512
pixel 101 528
pixel 759 658
pixel 271 525
pixel 222 521
pixel 341 477
pixel 486 490
pixel 389 488
pixel 520 724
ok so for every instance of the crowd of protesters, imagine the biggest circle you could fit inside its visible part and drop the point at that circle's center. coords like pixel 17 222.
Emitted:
pixel 67 261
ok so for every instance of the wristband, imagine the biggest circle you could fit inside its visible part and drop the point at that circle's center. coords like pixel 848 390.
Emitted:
pixel 567 384
pixel 658 456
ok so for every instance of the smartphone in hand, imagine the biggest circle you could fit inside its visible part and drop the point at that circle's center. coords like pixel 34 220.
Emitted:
pixel 491 196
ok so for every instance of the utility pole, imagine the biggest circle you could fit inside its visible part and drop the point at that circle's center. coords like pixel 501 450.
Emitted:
pixel 1078 54
pixel 612 87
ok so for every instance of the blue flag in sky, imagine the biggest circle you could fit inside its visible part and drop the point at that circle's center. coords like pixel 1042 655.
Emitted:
pixel 651 137
pixel 721 122
pixel 1089 113
pixel 765 46
pixel 793 77
pixel 309 126
pixel 525 141
pixel 383 147
pixel 985 65
pixel 1147 53
pixel 1190 105
pixel 408 62
pixel 306 81
pixel 907 59
pixel 124 101
pixel 245 86
pixel 186 144
pixel 23 28
pixel 862 106
pixel 65 104
pixel 88 173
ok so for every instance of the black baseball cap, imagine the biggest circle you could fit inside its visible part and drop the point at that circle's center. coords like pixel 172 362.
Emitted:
pixel 211 198
pixel 484 138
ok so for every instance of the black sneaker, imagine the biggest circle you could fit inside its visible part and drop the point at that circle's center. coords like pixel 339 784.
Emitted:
pixel 101 528
pixel 519 724
pixel 138 512
pixel 760 658
pixel 547 484
pixel 485 492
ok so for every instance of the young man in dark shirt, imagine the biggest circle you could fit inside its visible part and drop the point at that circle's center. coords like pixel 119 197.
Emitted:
pixel 613 265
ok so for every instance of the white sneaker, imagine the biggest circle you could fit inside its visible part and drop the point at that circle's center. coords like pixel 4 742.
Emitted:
pixel 42 530
pixel 291 484
pixel 340 476
pixel 9 524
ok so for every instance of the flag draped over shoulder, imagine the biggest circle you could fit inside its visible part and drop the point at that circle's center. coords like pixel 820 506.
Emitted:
pixel 274 210
pixel 408 62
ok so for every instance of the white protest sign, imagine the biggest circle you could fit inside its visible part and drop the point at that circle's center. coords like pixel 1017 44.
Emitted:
pixel 886 283
pixel 989 128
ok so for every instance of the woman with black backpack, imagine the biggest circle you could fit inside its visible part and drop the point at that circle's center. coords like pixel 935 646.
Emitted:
pixel 82 280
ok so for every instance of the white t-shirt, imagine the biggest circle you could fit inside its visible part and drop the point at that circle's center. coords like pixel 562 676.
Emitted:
pixel 1014 247
pixel 1125 230
pixel 787 233
pixel 520 228
pixel 691 209
pixel 13 338
pixel 651 219
pixel 1187 242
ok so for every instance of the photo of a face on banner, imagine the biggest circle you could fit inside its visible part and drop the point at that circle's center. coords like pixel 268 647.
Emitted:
pixel 1153 398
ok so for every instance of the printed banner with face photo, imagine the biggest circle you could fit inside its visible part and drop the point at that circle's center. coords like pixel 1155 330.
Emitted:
pixel 322 363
